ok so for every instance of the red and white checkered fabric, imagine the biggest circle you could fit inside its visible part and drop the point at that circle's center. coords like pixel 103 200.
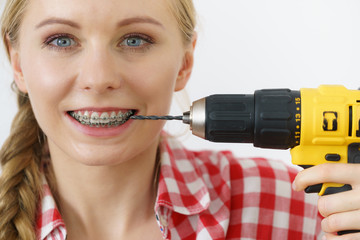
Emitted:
pixel 213 195
pixel 49 224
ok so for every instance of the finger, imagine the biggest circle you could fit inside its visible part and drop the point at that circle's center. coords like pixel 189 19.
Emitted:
pixel 341 202
pixel 341 222
pixel 328 172
pixel 329 236
pixel 352 236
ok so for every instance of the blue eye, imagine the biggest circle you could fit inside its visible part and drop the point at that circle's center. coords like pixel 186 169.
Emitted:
pixel 63 42
pixel 133 42
pixel 136 43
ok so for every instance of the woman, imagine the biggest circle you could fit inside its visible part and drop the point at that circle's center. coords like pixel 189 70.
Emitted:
pixel 76 167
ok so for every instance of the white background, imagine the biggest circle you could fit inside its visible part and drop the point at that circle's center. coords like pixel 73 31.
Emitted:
pixel 245 45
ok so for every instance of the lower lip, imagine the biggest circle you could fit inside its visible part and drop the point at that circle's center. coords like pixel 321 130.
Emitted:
pixel 99 131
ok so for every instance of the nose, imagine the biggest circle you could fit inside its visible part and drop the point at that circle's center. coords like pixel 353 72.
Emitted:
pixel 98 71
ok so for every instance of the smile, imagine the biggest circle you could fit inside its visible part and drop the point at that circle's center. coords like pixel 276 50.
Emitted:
pixel 102 119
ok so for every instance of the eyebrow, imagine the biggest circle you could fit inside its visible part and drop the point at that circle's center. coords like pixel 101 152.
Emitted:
pixel 133 20
pixel 122 23
pixel 50 21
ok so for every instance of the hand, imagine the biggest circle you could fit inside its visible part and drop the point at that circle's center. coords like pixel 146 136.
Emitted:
pixel 341 211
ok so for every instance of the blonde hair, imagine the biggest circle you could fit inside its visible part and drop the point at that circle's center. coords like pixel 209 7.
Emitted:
pixel 20 156
pixel 185 16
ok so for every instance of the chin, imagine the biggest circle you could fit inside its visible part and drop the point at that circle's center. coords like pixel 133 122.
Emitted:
pixel 95 158
pixel 99 162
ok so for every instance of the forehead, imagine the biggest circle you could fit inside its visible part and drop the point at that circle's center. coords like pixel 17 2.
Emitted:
pixel 95 12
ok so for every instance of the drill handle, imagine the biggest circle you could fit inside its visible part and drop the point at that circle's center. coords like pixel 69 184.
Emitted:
pixel 342 154
pixel 326 188
pixel 308 156
pixel 330 188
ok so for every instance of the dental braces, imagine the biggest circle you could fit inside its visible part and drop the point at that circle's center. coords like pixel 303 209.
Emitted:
pixel 102 121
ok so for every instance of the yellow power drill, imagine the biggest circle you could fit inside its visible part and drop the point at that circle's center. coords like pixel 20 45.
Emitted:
pixel 319 125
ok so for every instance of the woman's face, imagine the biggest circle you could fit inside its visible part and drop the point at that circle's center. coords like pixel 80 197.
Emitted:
pixel 99 61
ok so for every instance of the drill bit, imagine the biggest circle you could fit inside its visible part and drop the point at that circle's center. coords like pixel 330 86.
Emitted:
pixel 140 117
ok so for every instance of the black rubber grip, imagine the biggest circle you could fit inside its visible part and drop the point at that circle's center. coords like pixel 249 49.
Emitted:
pixel 277 118
pixel 230 118
pixel 267 118
pixel 347 232
pixel 332 190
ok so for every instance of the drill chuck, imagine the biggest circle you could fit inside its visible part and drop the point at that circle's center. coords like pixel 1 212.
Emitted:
pixel 267 118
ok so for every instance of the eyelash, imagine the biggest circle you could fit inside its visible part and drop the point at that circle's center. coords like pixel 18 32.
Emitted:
pixel 49 40
pixel 147 42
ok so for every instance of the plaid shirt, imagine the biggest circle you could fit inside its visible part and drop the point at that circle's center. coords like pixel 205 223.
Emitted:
pixel 213 195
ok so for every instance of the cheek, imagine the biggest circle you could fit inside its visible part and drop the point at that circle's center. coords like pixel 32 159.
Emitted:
pixel 47 86
pixel 155 82
pixel 45 77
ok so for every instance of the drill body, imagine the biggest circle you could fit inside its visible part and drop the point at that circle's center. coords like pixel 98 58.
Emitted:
pixel 318 125
pixel 329 131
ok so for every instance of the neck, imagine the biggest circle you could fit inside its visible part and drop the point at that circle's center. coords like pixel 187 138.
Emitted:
pixel 99 201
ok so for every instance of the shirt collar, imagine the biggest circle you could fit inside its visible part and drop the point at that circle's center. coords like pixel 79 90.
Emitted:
pixel 48 219
pixel 181 187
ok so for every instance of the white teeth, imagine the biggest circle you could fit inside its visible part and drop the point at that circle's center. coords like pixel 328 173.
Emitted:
pixel 79 116
pixel 120 116
pixel 86 117
pixel 106 119
pixel 95 120
pixel 112 118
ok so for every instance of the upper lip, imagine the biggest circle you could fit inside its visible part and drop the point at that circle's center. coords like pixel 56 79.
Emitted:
pixel 105 109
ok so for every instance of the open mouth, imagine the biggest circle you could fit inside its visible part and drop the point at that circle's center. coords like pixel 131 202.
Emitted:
pixel 102 119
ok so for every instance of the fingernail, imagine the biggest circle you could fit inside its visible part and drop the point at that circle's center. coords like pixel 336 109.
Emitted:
pixel 294 187
pixel 323 237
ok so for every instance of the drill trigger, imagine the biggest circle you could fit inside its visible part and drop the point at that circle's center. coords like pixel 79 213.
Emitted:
pixel 332 190
pixel 314 188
